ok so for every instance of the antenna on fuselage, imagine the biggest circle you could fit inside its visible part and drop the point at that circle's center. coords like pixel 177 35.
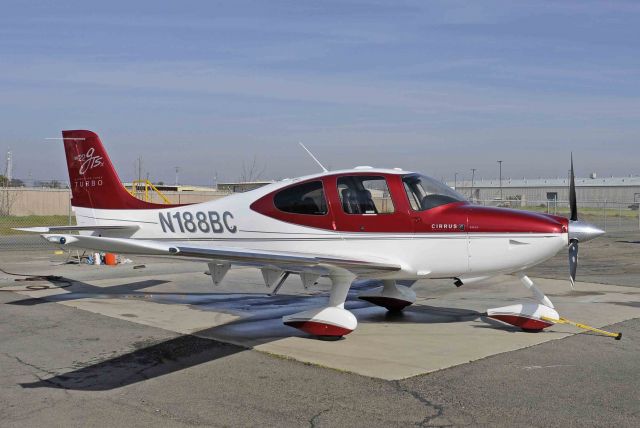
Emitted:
pixel 313 157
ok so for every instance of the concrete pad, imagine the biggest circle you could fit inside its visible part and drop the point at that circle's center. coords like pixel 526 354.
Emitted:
pixel 440 335
pixel 443 329
pixel 449 328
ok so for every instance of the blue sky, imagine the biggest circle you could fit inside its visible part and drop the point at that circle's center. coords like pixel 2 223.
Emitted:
pixel 433 86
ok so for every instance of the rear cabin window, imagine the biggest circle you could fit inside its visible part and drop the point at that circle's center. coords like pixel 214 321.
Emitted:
pixel 306 198
pixel 364 195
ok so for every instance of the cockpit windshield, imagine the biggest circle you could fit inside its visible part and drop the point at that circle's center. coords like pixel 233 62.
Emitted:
pixel 425 192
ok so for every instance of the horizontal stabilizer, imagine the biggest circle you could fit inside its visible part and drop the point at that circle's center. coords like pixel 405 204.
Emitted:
pixel 113 245
pixel 61 229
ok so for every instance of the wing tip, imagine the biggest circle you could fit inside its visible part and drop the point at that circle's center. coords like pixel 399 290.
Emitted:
pixel 38 229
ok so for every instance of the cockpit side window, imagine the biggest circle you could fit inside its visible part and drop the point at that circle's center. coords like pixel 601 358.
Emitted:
pixel 425 192
pixel 306 198
pixel 360 194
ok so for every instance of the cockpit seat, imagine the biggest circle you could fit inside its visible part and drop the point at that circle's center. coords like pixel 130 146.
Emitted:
pixel 367 206
pixel 350 202
pixel 309 206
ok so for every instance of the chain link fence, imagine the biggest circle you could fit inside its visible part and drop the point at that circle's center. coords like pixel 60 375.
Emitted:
pixel 30 207
pixel 11 239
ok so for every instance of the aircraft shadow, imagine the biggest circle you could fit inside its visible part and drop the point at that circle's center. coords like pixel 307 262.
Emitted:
pixel 260 322
pixel 142 364
pixel 79 290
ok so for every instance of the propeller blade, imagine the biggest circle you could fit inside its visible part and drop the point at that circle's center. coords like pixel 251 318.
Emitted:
pixel 573 261
pixel 572 194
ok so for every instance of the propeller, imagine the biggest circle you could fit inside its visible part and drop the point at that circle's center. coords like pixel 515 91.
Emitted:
pixel 579 231
pixel 572 195
pixel 573 243
pixel 573 261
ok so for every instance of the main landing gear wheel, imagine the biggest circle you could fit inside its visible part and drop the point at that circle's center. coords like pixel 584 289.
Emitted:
pixel 391 296
pixel 332 321
pixel 323 322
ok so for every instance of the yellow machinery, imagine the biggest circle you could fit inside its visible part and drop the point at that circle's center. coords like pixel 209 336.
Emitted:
pixel 137 185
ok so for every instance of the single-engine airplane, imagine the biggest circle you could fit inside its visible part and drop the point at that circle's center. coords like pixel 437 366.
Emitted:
pixel 365 222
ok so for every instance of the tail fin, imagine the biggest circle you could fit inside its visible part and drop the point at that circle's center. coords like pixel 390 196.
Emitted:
pixel 92 177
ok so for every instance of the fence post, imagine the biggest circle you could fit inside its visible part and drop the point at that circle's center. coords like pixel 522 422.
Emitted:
pixel 604 211
pixel 69 207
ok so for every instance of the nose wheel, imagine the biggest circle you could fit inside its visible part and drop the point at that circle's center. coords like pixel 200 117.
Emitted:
pixel 530 317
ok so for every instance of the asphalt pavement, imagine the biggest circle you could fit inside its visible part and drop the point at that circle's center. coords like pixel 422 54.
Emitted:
pixel 65 366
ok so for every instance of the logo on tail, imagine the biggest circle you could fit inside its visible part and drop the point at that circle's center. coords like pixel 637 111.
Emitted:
pixel 89 161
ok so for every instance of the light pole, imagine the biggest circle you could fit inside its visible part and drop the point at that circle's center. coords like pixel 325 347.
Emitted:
pixel 500 163
pixel 139 168
pixel 473 176
pixel 177 174
pixel 455 180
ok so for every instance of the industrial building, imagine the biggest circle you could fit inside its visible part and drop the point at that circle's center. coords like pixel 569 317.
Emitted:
pixel 241 186
pixel 530 191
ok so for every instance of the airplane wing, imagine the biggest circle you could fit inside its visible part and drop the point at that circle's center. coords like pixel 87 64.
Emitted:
pixel 62 229
pixel 287 261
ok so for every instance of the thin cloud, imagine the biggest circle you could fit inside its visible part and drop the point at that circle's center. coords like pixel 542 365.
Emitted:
pixel 438 86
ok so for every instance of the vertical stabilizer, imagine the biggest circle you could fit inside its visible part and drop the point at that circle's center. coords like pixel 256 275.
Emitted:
pixel 92 177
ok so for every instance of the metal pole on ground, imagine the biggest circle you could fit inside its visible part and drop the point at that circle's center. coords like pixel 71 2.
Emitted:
pixel 619 215
pixel 473 176
pixel 605 214
pixel 500 163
